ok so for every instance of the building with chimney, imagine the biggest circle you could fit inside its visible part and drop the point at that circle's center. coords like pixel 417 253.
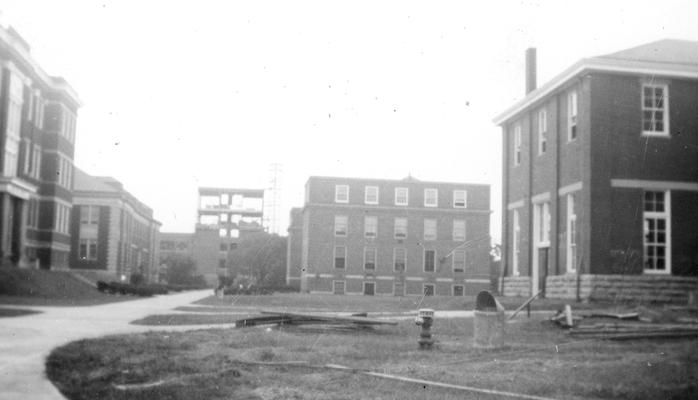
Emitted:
pixel 600 178
pixel 390 237
pixel 37 144
pixel 111 230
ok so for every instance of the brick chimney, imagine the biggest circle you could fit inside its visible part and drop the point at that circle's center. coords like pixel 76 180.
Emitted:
pixel 530 69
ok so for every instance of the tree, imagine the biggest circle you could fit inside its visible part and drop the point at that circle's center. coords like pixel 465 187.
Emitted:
pixel 261 256
pixel 181 270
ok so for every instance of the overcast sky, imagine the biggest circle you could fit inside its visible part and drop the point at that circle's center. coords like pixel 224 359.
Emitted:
pixel 181 94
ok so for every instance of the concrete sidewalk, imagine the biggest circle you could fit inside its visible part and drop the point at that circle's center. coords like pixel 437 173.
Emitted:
pixel 26 341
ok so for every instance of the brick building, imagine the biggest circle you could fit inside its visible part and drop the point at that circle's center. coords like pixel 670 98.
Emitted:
pixel 600 185
pixel 111 230
pixel 37 139
pixel 390 237
pixel 224 215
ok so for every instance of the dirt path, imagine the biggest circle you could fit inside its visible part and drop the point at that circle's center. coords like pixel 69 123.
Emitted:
pixel 26 341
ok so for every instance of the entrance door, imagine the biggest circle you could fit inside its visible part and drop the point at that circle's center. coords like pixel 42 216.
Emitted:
pixel 540 246
pixel 369 288
pixel 542 268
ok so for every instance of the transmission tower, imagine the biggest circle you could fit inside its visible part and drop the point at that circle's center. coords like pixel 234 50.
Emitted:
pixel 272 202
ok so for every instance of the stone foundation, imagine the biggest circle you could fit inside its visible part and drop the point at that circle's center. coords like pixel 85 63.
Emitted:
pixel 611 288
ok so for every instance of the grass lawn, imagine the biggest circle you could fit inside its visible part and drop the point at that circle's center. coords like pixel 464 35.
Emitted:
pixel 49 288
pixel 345 303
pixel 539 360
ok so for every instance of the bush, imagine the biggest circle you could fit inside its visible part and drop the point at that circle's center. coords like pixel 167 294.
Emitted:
pixel 128 288
pixel 259 290
pixel 137 279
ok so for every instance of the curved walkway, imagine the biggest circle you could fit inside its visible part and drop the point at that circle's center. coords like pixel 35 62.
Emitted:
pixel 26 341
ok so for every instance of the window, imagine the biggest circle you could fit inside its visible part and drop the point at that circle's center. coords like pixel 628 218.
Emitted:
pixel 458 290
pixel 371 195
pixel 517 145
pixel 35 170
pixel 571 235
pixel 398 289
pixel 459 261
pixel 458 230
pixel 428 289
pixel 401 196
pixel 572 115
pixel 26 164
pixel 89 215
pixel 341 193
pixel 340 225
pixel 338 287
pixel 369 288
pixel 400 228
pixel 655 109
pixel 14 121
pixel 88 249
pixel 370 227
pixel 431 197
pixel 370 258
pixel 61 218
pixel 516 244
pixel 33 214
pixel 65 172
pixel 399 259
pixel 657 232
pixel 429 260
pixel 543 214
pixel 222 232
pixel 460 198
pixel 224 247
pixel 542 131
pixel 340 256
pixel 429 229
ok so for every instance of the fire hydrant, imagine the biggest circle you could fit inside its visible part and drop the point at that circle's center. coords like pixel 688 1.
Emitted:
pixel 425 319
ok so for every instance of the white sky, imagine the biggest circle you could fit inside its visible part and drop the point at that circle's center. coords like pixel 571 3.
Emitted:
pixel 181 94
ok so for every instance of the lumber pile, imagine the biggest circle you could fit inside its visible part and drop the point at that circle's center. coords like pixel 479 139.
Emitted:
pixel 285 318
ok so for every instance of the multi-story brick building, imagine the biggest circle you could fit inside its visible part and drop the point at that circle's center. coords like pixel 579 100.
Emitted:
pixel 600 185
pixel 391 237
pixel 224 216
pixel 294 249
pixel 111 230
pixel 37 139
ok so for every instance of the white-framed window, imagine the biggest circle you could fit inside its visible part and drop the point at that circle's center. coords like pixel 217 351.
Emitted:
pixel 401 196
pixel 26 164
pixel 338 287
pixel 371 195
pixel 517 145
pixel 340 225
pixel 459 261
pixel 340 257
pixel 572 115
pixel 657 232
pixel 64 174
pixel 428 289
pixel 429 229
pixel 516 244
pixel 370 227
pixel 341 193
pixel 400 228
pixel 458 230
pixel 543 215
pixel 655 109
pixel 35 170
pixel 61 218
pixel 460 198
pixel 369 258
pixel 33 214
pixel 88 249
pixel 89 215
pixel 14 123
pixel 222 232
pixel 431 198
pixel 542 131
pixel 399 259
pixel 429 260
pixel 458 290
pixel 571 235
pixel 39 111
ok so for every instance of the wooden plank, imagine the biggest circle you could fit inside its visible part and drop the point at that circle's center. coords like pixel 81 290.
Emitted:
pixel 331 318
pixel 527 302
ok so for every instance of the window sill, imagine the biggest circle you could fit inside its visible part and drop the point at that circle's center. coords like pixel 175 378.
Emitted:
pixel 656 134
pixel 656 272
